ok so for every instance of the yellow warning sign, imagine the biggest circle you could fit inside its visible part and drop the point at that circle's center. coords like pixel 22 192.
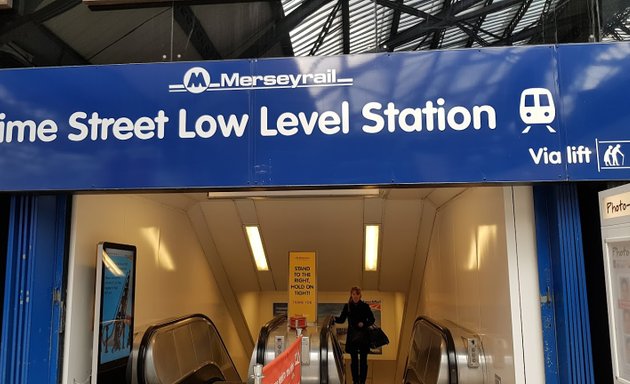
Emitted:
pixel 303 285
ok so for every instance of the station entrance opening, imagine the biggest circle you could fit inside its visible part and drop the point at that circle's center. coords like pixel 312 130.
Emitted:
pixel 444 252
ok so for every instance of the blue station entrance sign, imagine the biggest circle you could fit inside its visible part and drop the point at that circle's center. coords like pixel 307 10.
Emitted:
pixel 518 114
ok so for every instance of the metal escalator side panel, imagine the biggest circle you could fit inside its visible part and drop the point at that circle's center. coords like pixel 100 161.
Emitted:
pixel 432 358
pixel 311 366
pixel 324 363
pixel 263 337
pixel 336 366
pixel 471 360
pixel 324 333
pixel 331 356
pixel 341 363
pixel 207 374
pixel 172 350
pixel 264 351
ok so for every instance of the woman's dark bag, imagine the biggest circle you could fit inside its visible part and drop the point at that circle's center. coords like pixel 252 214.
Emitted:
pixel 378 338
pixel 360 338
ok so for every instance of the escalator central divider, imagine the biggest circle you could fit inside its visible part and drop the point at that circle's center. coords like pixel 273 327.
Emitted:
pixel 323 348
pixel 263 336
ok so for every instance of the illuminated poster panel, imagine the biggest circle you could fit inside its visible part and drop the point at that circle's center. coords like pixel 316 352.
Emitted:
pixel 114 308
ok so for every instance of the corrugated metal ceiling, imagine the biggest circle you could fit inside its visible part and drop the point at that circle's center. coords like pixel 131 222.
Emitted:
pixel 68 32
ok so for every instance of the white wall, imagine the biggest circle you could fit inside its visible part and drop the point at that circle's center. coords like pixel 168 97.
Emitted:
pixel 250 302
pixel 173 277
pixel 472 279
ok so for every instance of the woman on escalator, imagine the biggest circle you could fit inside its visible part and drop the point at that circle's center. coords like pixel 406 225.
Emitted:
pixel 360 317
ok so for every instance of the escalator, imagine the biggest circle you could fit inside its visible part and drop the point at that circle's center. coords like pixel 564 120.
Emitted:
pixel 189 350
pixel 444 353
pixel 322 357
pixel 186 350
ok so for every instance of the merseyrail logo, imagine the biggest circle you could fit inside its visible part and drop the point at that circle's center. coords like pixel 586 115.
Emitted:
pixel 197 80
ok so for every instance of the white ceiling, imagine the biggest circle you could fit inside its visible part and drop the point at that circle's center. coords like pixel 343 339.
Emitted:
pixel 332 226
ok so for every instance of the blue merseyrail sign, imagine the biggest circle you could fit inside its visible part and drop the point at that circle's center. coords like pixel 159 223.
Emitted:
pixel 542 113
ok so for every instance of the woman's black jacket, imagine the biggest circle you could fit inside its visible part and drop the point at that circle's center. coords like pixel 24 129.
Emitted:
pixel 357 337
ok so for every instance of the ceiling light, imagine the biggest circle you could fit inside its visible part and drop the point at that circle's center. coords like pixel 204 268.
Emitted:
pixel 371 247
pixel 294 193
pixel 111 265
pixel 256 246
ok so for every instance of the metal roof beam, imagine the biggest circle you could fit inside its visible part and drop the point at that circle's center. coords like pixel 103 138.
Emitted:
pixel 398 6
pixel 532 31
pixel 345 25
pixel 324 32
pixel 443 20
pixel 10 21
pixel 548 20
pixel 430 24
pixel 477 25
pixel 492 8
pixel 617 21
pixel 439 34
pixel 37 44
pixel 517 17
pixel 187 20
pixel 519 36
pixel 106 5
pixel 395 19
pixel 464 26
pixel 277 9
pixel 266 38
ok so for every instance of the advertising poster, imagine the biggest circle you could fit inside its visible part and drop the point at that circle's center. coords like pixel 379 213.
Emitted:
pixel 325 309
pixel 115 283
pixel 618 253
pixel 303 285
pixel 116 312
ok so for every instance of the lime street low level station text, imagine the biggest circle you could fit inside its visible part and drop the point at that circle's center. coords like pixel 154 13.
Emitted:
pixel 374 118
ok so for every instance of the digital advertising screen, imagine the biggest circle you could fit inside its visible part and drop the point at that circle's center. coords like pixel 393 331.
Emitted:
pixel 114 308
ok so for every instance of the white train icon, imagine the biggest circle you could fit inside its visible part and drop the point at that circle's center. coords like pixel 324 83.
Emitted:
pixel 537 107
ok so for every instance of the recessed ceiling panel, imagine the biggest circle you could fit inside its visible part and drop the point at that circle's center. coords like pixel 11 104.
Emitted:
pixel 332 227
pixel 401 220
pixel 227 233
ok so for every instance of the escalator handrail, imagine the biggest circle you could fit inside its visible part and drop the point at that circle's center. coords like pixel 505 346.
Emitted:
pixel 263 336
pixel 450 345
pixel 338 353
pixel 148 334
pixel 326 330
